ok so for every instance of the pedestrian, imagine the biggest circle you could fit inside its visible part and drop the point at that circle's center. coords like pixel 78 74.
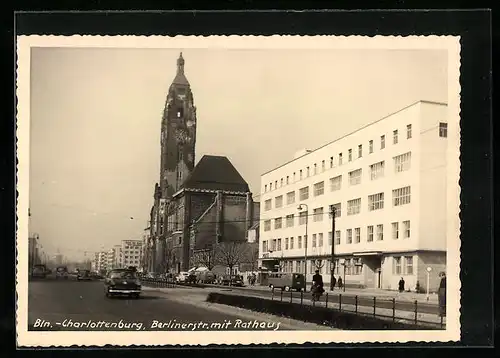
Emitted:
pixel 339 281
pixel 401 285
pixel 442 295
pixel 334 282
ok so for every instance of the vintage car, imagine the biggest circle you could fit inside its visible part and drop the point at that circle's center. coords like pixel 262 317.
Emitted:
pixel 62 273
pixel 122 282
pixel 84 275
pixel 39 271
pixel 232 280
pixel 182 277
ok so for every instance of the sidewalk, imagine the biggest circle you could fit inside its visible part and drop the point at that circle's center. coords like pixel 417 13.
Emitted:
pixel 365 292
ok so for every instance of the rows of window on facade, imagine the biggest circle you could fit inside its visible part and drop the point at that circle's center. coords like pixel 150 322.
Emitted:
pixel 401 265
pixel 376 201
pixel 338 160
pixel 400 196
pixel 175 221
pixel 399 230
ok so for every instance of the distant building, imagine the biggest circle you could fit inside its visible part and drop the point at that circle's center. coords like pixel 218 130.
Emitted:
pixel 100 262
pixel 144 251
pixel 114 257
pixel 118 259
pixel 33 250
pixel 93 265
pixel 110 259
pixel 131 251
pixel 58 259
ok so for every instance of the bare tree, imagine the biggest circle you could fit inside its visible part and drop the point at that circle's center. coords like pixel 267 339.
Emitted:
pixel 319 264
pixel 205 258
pixel 230 254
pixel 168 254
pixel 252 254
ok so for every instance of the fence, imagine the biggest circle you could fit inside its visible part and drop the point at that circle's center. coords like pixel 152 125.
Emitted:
pixel 388 309
pixel 378 307
pixel 167 283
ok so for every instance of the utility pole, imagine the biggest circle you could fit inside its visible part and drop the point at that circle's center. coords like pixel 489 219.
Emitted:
pixel 332 268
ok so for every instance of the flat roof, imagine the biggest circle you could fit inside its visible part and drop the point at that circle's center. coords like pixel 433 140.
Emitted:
pixel 357 130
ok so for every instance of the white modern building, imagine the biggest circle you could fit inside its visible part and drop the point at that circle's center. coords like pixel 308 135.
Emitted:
pixel 100 262
pixel 387 182
pixel 114 257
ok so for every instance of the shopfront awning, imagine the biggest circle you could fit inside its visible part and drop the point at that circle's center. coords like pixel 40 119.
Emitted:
pixel 367 253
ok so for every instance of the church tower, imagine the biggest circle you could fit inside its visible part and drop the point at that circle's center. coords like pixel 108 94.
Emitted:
pixel 178 134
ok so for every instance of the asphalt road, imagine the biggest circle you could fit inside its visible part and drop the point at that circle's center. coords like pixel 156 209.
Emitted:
pixel 62 305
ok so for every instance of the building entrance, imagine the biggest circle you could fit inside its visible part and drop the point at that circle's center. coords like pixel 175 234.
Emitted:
pixel 372 271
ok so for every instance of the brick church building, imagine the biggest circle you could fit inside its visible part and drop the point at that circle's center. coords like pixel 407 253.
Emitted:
pixel 194 206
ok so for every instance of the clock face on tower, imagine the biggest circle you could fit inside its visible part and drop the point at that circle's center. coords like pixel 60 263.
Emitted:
pixel 181 135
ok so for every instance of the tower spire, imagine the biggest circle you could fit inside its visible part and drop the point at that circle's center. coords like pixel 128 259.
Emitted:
pixel 180 78
pixel 180 64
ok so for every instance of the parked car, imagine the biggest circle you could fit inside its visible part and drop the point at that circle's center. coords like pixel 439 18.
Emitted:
pixel 39 271
pixel 191 277
pixel 84 275
pixel 182 276
pixel 62 272
pixel 122 282
pixel 233 280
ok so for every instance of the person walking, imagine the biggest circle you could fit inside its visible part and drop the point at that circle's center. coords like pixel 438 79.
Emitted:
pixel 401 285
pixel 334 282
pixel 442 295
pixel 339 281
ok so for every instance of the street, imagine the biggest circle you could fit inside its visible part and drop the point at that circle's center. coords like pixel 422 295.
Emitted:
pixel 74 305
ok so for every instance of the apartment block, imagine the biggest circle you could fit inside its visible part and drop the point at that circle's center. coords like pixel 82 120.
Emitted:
pixel 387 182
pixel 131 253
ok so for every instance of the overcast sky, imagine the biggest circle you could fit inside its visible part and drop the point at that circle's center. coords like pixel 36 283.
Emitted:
pixel 96 114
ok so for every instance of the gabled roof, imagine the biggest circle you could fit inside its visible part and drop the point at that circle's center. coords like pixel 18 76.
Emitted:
pixel 215 173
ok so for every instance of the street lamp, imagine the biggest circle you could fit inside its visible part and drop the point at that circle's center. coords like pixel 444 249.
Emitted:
pixel 300 208
pixel 332 266
pixel 429 269
pixel 343 283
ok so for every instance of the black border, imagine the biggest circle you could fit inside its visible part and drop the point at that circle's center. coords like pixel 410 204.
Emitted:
pixel 476 123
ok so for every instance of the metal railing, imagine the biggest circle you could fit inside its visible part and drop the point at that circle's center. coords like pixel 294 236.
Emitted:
pixel 387 309
pixel 166 282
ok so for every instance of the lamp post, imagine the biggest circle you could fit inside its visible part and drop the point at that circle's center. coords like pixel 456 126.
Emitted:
pixel 300 208
pixel 332 267
pixel 429 269
pixel 343 284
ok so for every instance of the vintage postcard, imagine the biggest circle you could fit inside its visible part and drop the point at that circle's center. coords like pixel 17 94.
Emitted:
pixel 237 190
